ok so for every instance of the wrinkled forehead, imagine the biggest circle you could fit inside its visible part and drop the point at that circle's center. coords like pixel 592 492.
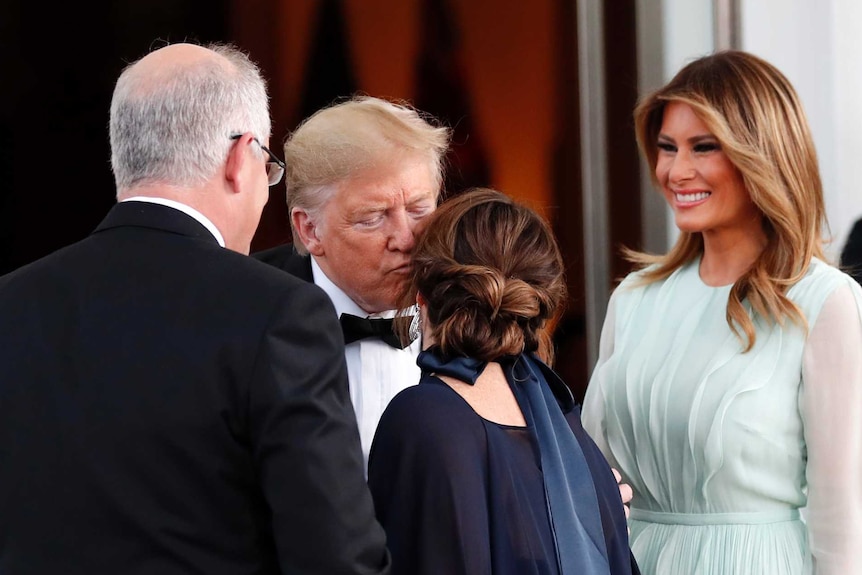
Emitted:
pixel 406 182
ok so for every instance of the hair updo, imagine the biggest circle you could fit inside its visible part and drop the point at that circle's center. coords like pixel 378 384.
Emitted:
pixel 491 275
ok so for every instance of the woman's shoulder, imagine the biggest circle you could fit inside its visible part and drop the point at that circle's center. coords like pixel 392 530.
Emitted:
pixel 819 269
pixel 428 409
pixel 639 284
pixel 637 277
pixel 430 421
pixel 640 278
pixel 430 392
pixel 820 281
pixel 632 285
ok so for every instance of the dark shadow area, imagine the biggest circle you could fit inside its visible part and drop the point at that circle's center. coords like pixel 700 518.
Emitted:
pixel 442 91
pixel 54 152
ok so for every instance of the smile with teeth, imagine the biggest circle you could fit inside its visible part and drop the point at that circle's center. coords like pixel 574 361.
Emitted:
pixel 690 198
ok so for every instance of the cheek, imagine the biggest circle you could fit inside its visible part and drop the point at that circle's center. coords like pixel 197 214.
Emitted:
pixel 419 224
pixel 731 183
pixel 661 170
pixel 361 247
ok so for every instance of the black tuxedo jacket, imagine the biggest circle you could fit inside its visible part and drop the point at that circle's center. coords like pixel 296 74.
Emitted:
pixel 284 257
pixel 168 407
pixel 851 254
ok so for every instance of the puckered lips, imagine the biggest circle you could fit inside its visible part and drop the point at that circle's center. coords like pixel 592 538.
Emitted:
pixel 403 269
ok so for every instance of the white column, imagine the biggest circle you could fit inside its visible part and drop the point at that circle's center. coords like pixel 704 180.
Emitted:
pixel 594 177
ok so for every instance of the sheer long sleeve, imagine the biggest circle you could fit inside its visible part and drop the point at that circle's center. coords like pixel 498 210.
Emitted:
pixel 831 405
pixel 593 414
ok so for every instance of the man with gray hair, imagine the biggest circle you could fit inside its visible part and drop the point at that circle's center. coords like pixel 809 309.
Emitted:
pixel 361 177
pixel 169 405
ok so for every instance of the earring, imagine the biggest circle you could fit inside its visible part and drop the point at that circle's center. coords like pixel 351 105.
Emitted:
pixel 415 329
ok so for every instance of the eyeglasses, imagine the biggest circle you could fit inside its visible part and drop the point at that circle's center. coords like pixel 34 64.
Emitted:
pixel 274 166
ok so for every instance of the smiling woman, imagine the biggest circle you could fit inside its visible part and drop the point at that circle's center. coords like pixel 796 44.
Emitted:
pixel 707 194
pixel 728 389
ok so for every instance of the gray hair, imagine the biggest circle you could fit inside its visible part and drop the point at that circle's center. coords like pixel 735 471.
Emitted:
pixel 341 141
pixel 174 126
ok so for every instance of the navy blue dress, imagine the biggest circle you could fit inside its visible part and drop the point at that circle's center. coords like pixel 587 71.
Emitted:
pixel 458 494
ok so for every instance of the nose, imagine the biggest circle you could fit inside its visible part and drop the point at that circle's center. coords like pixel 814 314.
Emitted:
pixel 402 232
pixel 681 167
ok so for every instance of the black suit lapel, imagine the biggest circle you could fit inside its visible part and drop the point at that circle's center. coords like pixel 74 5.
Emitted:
pixel 299 266
pixel 285 258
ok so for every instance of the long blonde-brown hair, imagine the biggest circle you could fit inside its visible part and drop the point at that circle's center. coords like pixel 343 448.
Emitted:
pixel 755 114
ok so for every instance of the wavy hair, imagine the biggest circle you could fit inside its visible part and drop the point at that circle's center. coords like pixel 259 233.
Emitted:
pixel 755 114
pixel 491 274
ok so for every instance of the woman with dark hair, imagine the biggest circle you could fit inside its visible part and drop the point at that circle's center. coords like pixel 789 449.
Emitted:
pixel 484 468
pixel 728 389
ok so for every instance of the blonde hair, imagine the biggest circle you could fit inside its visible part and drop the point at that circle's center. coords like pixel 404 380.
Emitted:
pixel 341 141
pixel 755 114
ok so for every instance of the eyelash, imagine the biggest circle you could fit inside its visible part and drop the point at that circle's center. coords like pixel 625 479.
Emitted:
pixel 415 212
pixel 420 212
pixel 368 222
pixel 698 148
pixel 706 147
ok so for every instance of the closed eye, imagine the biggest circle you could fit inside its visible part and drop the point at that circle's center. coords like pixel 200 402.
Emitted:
pixel 666 147
pixel 420 211
pixel 370 220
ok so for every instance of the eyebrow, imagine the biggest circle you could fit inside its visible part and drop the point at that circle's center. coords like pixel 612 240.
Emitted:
pixel 421 201
pixel 693 140
pixel 368 210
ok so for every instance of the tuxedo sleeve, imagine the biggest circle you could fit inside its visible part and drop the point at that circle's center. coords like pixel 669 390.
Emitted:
pixel 306 443
pixel 851 254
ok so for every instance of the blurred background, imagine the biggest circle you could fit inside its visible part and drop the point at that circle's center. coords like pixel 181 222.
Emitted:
pixel 539 94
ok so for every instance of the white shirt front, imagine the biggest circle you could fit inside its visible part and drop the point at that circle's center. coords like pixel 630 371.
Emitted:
pixel 376 370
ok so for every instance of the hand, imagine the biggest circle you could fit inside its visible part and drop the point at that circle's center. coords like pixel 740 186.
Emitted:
pixel 625 491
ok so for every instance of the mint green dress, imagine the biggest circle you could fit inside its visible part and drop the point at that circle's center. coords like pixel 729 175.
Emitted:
pixel 740 463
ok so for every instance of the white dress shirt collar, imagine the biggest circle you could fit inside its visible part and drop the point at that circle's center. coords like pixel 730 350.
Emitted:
pixel 188 210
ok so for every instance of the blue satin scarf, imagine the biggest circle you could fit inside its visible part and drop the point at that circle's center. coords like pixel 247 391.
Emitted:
pixel 569 491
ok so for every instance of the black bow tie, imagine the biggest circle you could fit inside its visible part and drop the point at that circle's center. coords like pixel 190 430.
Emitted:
pixel 356 328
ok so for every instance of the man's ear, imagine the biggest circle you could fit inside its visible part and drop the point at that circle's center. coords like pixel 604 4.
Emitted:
pixel 236 160
pixel 308 231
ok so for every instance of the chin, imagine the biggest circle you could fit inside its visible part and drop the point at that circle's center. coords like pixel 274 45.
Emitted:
pixel 379 305
pixel 689 227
